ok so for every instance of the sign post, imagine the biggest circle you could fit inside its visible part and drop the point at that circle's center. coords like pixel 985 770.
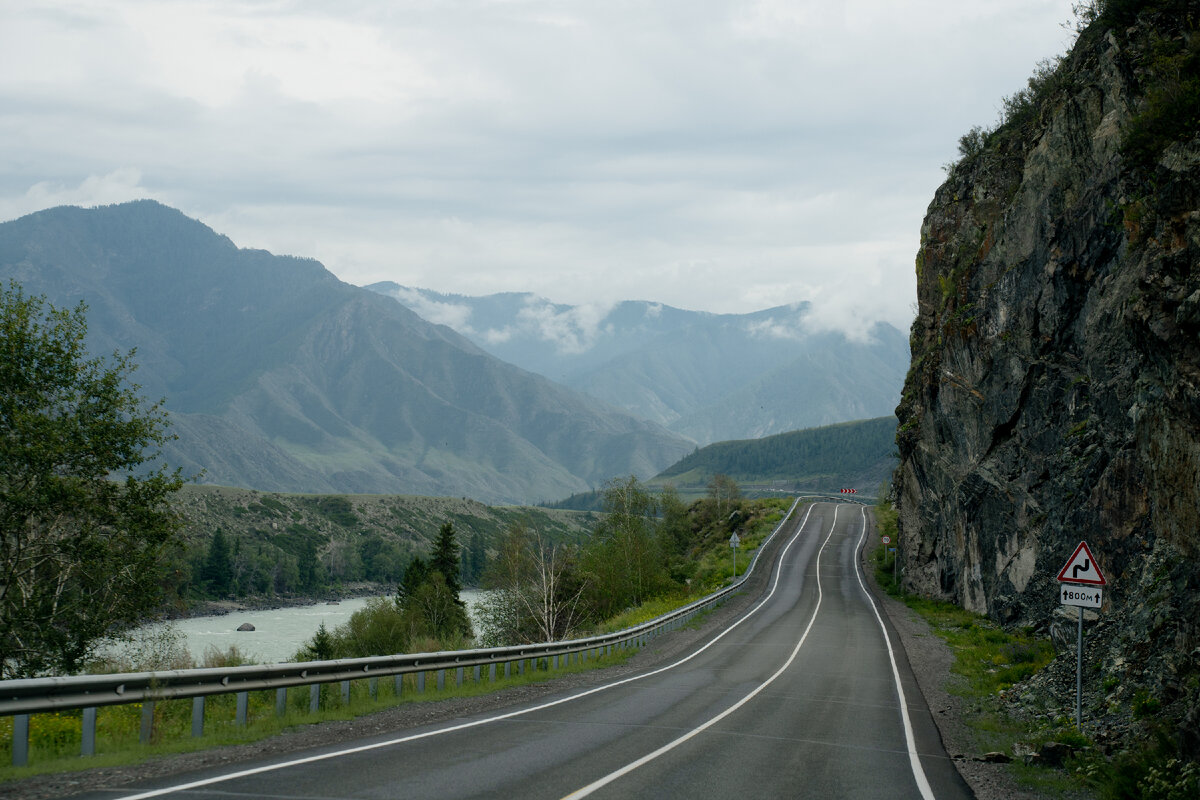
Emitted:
pixel 734 541
pixel 1081 580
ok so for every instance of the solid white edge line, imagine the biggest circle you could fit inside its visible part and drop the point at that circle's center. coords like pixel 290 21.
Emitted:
pixel 914 759
pixel 182 787
pixel 630 767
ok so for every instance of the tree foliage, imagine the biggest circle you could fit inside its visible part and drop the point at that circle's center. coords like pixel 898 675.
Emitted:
pixel 429 595
pixel 536 590
pixel 625 561
pixel 84 520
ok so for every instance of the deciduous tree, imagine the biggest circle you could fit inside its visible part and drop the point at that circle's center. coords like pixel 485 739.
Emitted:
pixel 84 515
pixel 625 562
pixel 536 591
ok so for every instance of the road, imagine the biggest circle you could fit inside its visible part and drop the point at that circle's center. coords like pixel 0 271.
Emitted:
pixel 797 697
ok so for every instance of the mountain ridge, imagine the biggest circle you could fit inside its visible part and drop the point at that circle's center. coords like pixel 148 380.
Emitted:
pixel 301 382
pixel 710 377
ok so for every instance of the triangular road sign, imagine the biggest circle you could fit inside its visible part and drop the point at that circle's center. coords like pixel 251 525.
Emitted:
pixel 1082 568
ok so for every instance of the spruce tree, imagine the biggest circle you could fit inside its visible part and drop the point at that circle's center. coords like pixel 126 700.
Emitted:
pixel 445 559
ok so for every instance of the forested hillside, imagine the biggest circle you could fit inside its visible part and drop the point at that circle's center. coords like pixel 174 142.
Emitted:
pixel 270 547
pixel 857 455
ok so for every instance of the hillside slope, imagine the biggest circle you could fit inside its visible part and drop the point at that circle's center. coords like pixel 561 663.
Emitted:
pixel 280 377
pixel 851 455
pixel 352 541
pixel 1054 392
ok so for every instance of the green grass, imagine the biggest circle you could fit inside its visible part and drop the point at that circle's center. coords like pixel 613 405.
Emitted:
pixel 55 738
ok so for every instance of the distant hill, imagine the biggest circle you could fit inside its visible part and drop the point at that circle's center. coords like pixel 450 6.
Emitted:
pixel 279 377
pixel 850 455
pixel 711 377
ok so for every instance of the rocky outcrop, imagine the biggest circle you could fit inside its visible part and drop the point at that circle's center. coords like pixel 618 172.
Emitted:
pixel 1054 391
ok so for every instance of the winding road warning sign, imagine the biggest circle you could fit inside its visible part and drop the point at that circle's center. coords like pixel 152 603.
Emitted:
pixel 1082 568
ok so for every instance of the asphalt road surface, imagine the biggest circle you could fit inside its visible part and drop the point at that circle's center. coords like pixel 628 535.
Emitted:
pixel 798 697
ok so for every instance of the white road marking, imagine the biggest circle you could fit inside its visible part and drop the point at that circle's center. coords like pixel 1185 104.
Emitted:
pixel 182 787
pixel 914 760
pixel 666 748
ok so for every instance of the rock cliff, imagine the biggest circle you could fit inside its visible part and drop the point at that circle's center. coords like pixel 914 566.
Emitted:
pixel 1054 391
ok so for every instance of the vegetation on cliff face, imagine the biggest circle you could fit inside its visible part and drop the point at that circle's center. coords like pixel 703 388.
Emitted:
pixel 1054 390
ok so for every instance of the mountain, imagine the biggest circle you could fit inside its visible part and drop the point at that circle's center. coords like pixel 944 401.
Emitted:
pixel 850 455
pixel 279 377
pixel 1054 391
pixel 710 377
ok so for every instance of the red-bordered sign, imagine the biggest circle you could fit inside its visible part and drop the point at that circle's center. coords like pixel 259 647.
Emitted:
pixel 1082 568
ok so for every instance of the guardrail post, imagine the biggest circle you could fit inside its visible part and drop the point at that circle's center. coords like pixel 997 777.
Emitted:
pixel 345 693
pixel 373 687
pixel 197 717
pixel 88 746
pixel 421 682
pixel 492 672
pixel 441 679
pixel 281 701
pixel 399 684
pixel 20 742
pixel 507 668
pixel 477 671
pixel 458 676
pixel 243 705
pixel 521 667
pixel 146 730
pixel 314 697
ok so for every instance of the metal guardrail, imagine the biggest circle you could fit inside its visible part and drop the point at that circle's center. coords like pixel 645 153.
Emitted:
pixel 22 697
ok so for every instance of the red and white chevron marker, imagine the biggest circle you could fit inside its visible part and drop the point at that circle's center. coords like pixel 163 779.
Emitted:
pixel 849 491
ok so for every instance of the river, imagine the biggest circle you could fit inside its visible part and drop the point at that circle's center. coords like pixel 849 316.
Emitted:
pixel 278 632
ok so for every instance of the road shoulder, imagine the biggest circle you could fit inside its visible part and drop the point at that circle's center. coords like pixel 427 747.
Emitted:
pixel 931 659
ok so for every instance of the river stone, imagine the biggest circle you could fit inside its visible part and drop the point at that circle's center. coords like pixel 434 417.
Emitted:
pixel 245 626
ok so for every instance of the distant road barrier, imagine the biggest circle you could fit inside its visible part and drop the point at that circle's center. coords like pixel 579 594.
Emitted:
pixel 24 697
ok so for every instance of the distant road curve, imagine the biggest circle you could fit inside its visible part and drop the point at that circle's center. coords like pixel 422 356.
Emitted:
pixel 800 696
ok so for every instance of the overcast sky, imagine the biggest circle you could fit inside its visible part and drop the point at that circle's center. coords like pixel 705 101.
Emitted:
pixel 708 154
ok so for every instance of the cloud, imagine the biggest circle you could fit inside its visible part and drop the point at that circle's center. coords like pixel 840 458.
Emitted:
pixel 707 154
pixel 572 330
pixel 452 315
pixel 498 335
pixel 788 325
pixel 118 186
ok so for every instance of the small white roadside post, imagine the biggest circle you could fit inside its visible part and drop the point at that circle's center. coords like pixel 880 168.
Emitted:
pixel 1081 580
pixel 734 541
